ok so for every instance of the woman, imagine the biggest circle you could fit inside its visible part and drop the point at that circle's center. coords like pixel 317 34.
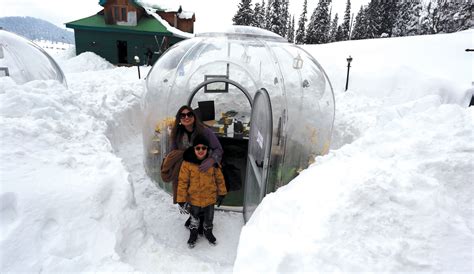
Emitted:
pixel 186 127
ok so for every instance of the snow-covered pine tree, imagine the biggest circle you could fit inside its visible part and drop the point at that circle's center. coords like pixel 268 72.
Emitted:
pixel 462 18
pixel 389 12
pixel 434 16
pixel 285 17
pixel 318 27
pixel 276 23
pixel 339 34
pixel 456 15
pixel 310 37
pixel 346 23
pixel 291 30
pixel 259 15
pixel 374 17
pixel 244 15
pixel 333 31
pixel 360 26
pixel 407 21
pixel 268 10
pixel 300 32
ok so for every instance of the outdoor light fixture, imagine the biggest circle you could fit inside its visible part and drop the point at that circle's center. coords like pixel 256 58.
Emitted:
pixel 297 62
pixel 137 60
pixel 349 60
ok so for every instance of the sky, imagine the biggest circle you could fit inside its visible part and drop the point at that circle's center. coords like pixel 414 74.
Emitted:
pixel 393 195
pixel 208 12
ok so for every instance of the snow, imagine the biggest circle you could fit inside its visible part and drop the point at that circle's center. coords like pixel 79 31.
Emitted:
pixel 151 7
pixel 395 192
pixel 175 31
pixel 393 195
pixel 164 5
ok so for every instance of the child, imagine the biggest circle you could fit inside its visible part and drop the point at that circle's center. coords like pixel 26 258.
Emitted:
pixel 201 189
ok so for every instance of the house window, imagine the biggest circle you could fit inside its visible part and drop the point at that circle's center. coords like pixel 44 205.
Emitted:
pixel 124 14
pixel 120 13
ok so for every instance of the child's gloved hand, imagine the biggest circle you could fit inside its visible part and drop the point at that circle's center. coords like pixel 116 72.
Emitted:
pixel 183 208
pixel 220 198
pixel 206 164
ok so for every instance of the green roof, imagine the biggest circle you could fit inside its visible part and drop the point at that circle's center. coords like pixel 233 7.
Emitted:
pixel 146 25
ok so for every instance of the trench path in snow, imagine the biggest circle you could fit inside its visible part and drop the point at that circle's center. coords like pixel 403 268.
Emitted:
pixel 166 226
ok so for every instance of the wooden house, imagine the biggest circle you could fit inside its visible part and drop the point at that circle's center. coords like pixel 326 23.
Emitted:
pixel 124 29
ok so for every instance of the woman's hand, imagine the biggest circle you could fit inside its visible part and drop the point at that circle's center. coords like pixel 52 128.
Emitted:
pixel 206 164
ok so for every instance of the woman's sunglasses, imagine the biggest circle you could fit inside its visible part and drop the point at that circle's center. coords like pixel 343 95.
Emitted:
pixel 199 148
pixel 188 114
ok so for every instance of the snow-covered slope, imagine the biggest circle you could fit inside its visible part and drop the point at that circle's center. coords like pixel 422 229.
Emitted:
pixel 394 194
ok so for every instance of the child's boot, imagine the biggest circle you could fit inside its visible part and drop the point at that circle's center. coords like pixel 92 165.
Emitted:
pixel 209 236
pixel 192 237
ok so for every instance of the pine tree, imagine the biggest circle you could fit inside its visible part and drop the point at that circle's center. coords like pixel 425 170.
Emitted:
pixel 285 18
pixel 291 30
pixel 300 32
pixel 333 31
pixel 346 24
pixel 407 21
pixel 389 12
pixel 259 15
pixel 268 23
pixel 339 34
pixel 244 15
pixel 318 28
pixel 454 15
pixel 374 18
pixel 360 26
pixel 276 22
pixel 462 18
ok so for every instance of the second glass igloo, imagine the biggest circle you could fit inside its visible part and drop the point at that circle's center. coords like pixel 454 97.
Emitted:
pixel 24 61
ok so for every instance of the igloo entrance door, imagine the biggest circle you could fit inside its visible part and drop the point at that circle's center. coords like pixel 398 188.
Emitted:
pixel 229 119
pixel 260 141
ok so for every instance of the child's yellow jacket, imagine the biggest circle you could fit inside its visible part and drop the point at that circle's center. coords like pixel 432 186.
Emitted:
pixel 199 188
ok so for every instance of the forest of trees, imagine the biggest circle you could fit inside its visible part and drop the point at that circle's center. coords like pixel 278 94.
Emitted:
pixel 377 19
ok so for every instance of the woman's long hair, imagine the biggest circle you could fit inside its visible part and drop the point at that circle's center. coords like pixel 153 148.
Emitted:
pixel 178 130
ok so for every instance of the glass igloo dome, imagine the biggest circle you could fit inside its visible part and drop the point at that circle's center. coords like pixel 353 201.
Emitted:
pixel 24 61
pixel 269 102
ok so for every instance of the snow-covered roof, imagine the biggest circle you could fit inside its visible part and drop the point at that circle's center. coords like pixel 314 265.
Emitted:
pixel 160 4
pixel 186 15
pixel 176 32
pixel 152 6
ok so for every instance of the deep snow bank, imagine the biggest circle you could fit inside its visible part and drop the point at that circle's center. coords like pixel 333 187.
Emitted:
pixel 403 68
pixel 396 195
pixel 398 199
pixel 66 200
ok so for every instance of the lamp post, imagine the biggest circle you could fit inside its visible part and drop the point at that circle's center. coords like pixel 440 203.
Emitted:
pixel 137 60
pixel 349 60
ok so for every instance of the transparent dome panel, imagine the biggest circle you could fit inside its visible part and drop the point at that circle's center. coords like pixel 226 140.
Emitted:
pixel 226 69
pixel 24 61
pixel 310 110
pixel 241 31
